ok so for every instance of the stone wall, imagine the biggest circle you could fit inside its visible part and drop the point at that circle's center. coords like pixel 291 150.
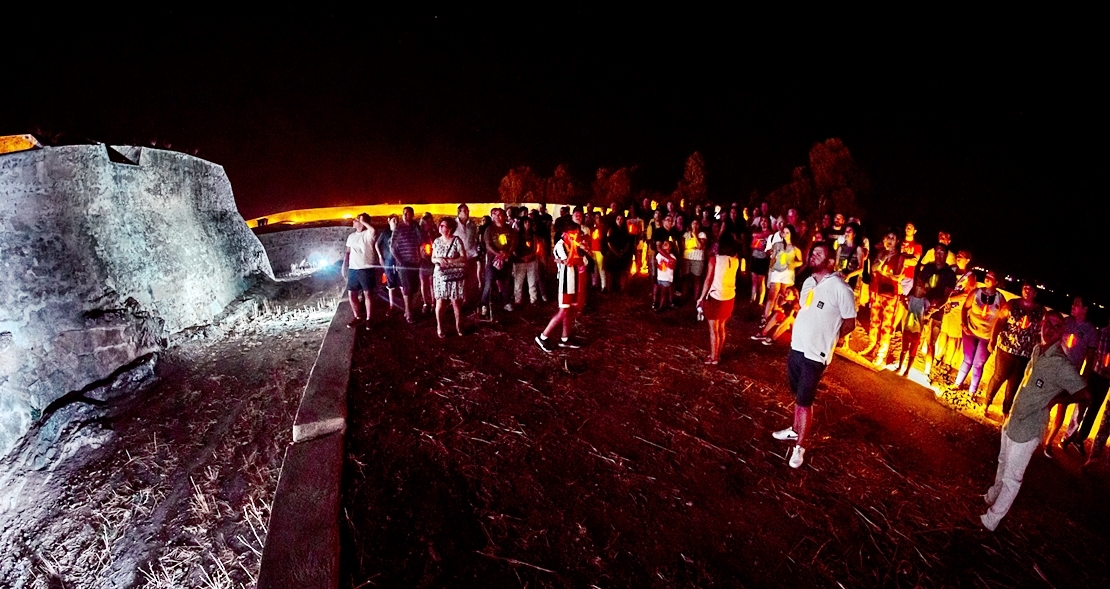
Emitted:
pixel 100 260
pixel 310 244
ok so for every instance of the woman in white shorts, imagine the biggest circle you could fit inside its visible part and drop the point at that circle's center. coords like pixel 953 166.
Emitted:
pixel 784 259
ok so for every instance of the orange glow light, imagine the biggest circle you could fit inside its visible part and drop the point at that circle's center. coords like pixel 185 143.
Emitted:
pixel 428 249
pixel 1070 341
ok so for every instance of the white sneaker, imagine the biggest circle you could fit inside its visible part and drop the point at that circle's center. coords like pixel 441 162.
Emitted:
pixel 785 434
pixel 797 456
pixel 509 307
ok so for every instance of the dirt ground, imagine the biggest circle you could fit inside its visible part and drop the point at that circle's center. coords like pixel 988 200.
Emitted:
pixel 483 461
pixel 175 486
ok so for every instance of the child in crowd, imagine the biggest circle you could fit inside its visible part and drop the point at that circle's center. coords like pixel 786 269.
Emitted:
pixel 916 307
pixel 782 316
pixel 665 264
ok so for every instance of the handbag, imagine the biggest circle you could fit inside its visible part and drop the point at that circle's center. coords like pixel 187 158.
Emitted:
pixel 454 273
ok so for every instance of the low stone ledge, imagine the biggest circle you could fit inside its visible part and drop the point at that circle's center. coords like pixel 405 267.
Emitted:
pixel 302 544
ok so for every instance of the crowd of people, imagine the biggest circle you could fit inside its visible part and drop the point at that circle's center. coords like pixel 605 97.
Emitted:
pixel 698 257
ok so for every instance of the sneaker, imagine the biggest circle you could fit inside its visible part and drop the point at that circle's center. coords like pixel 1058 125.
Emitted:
pixel 766 341
pixel 571 343
pixel 545 344
pixel 509 307
pixel 797 456
pixel 757 337
pixel 354 323
pixel 483 311
pixel 785 434
pixel 1048 451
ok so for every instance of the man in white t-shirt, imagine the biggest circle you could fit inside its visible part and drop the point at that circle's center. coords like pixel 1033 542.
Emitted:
pixel 826 313
pixel 361 266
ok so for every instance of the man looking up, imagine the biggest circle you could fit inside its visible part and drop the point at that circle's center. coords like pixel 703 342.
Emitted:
pixel 1050 379
pixel 827 313
pixel 361 266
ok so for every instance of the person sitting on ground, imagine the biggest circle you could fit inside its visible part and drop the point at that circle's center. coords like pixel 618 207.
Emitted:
pixel 1051 380
pixel 361 267
pixel 782 317
pixel 917 306
pixel 570 257
pixel 719 292
pixel 665 265
pixel 449 277
pixel 1014 336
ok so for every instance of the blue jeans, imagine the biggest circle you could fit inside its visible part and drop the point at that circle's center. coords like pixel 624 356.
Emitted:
pixel 975 357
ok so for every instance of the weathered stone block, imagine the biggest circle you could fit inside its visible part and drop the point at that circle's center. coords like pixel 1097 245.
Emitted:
pixel 101 261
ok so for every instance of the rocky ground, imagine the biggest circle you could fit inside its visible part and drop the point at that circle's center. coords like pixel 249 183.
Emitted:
pixel 163 477
pixel 483 461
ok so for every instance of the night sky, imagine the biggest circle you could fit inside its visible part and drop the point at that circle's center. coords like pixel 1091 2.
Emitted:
pixel 992 133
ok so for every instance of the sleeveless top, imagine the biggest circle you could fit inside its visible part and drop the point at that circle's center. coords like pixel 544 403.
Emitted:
pixel 724 278
pixel 983 312
pixel 781 256
pixel 1023 329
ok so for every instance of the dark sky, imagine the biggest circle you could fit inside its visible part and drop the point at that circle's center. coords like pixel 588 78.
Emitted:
pixel 987 130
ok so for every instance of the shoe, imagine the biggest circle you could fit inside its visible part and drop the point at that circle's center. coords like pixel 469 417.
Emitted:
pixel 797 457
pixel 440 334
pixel 757 337
pixel 545 344
pixel 509 307
pixel 570 343
pixel 409 319
pixel 1078 444
pixel 711 362
pixel 1048 450
pixel 354 323
pixel 766 341
pixel 425 309
pixel 785 434
pixel 483 311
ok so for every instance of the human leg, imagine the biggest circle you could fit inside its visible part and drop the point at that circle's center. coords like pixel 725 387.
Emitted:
pixel 1003 364
pixel 1013 458
pixel 969 347
pixel 519 277
pixel 439 317
pixel 773 291
pixel 1013 381
pixel 352 298
pixel 456 305
pixel 712 340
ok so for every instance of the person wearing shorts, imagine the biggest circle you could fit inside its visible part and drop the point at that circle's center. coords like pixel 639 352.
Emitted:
pixel 719 293
pixel 389 266
pixel 406 243
pixel 827 312
pixel 361 265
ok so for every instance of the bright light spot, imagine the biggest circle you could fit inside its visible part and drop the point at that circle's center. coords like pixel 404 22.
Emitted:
pixel 348 216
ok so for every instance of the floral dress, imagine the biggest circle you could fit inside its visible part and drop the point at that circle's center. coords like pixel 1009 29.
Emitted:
pixel 447 282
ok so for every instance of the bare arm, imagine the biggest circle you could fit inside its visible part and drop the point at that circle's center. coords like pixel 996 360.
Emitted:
pixel 846 327
pixel 1003 315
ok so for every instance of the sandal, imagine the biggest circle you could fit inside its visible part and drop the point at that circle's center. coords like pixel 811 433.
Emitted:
pixel 711 362
pixel 440 334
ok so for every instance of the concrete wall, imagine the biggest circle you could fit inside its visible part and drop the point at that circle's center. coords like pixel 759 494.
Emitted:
pixel 99 261
pixel 296 246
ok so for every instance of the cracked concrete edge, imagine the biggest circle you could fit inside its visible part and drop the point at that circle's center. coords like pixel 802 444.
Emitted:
pixel 302 542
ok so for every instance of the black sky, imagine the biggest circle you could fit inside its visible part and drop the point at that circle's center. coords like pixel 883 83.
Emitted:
pixel 985 128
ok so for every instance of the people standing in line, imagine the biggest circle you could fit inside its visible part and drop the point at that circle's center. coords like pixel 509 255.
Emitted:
pixel 500 241
pixel 1014 337
pixel 1079 339
pixel 951 333
pixel 719 293
pixel 785 258
pixel 1050 380
pixel 940 282
pixel 570 258
pixel 694 243
pixel 467 231
pixel 826 314
pixel 760 262
pixel 526 271
pixel 361 267
pixel 619 254
pixel 389 265
pixel 886 274
pixel 1098 382
pixel 449 277
pixel 979 313
pixel 406 244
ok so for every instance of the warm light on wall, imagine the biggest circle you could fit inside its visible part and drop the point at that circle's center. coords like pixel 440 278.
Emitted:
pixel 477 210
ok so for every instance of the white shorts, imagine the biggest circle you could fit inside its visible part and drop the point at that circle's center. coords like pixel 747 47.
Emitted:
pixel 780 277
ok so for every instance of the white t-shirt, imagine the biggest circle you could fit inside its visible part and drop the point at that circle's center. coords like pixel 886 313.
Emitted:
pixel 363 254
pixel 823 308
pixel 663 271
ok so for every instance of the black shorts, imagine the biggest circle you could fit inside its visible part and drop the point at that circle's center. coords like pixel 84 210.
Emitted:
pixel 364 279
pixel 392 278
pixel 761 265
pixel 802 375
pixel 410 280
